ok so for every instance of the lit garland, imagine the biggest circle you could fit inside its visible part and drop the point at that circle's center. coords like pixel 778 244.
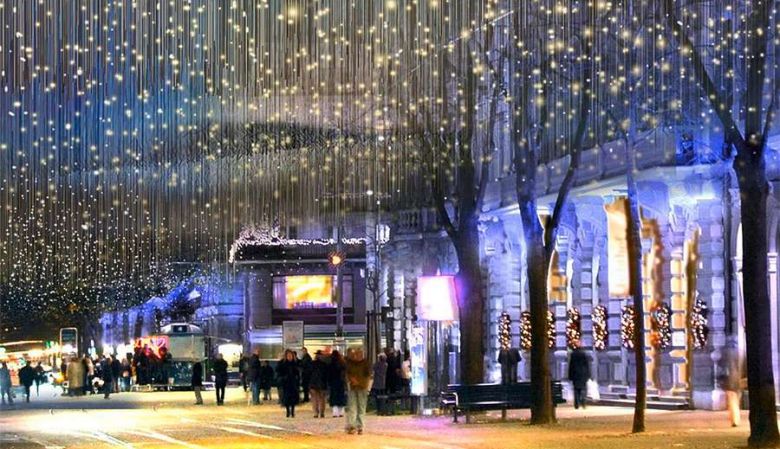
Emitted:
pixel 550 329
pixel 600 330
pixel 505 331
pixel 526 336
pixel 260 236
pixel 627 325
pixel 661 322
pixel 573 327
pixel 700 324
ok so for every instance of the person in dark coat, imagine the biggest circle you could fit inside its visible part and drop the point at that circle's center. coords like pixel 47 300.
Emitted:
pixel 26 378
pixel 116 372
pixel 579 374
pixel 380 375
pixel 107 375
pixel 243 370
pixel 508 358
pixel 337 384
pixel 318 384
pixel 253 376
pixel 266 380
pixel 290 382
pixel 393 381
pixel 40 377
pixel 220 378
pixel 197 382
pixel 305 363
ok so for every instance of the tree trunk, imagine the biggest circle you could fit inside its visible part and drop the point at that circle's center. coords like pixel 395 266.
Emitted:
pixel 542 409
pixel 754 191
pixel 635 285
pixel 470 303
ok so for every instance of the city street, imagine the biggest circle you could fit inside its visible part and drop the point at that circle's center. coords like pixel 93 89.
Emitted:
pixel 169 420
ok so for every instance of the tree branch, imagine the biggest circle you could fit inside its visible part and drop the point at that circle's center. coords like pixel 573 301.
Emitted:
pixel 731 131
pixel 551 231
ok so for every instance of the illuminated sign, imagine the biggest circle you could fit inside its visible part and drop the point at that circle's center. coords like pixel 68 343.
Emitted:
pixel 436 298
pixel 69 340
pixel 155 346
pixel 306 292
pixel 617 248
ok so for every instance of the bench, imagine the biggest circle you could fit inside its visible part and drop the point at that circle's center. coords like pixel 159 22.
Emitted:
pixel 481 397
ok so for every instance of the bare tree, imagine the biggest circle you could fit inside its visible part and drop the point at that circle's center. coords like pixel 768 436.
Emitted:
pixel 530 128
pixel 457 142
pixel 750 141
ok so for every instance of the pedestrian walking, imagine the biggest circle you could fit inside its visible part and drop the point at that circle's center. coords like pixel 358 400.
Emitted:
pixel 220 378
pixel 337 387
pixel 380 375
pixel 290 381
pixel 107 375
pixel 243 369
pixel 253 376
pixel 393 379
pixel 89 374
pixel 579 374
pixel 266 379
pixel 318 384
pixel 26 379
pixel 730 379
pixel 40 377
pixel 197 382
pixel 358 380
pixel 5 383
pixel 127 374
pixel 305 364
pixel 116 373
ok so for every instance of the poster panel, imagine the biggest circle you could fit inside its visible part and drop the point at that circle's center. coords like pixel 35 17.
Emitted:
pixel 292 334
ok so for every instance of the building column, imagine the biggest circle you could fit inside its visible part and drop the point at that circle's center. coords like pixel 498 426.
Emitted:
pixel 710 291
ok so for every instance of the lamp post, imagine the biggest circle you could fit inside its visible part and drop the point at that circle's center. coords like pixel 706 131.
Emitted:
pixel 336 259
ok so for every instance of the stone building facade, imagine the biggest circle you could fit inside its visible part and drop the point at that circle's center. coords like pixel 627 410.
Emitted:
pixel 691 268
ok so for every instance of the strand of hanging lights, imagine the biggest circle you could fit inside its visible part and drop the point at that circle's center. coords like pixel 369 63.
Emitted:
pixel 140 133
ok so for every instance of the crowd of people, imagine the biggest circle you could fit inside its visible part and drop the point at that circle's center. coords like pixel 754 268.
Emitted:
pixel 105 375
pixel 327 379
pixel 28 376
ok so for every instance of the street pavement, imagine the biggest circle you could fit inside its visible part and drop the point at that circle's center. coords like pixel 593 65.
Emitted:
pixel 170 420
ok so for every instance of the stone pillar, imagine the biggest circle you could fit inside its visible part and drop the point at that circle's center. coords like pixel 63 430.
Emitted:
pixel 710 285
pixel 678 301
pixel 497 268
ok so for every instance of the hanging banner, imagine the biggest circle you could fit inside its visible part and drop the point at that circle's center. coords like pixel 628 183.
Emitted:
pixel 617 248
